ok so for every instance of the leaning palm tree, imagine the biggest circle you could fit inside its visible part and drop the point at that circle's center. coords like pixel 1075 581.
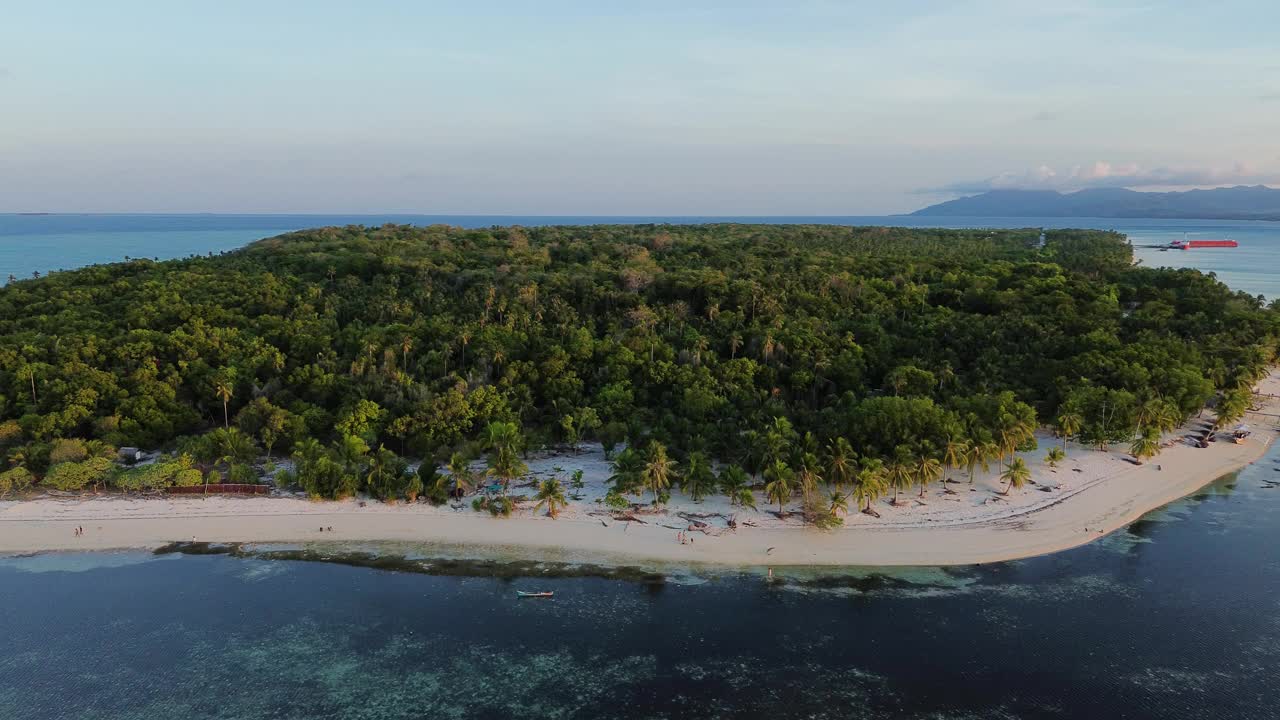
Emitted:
pixel 839 503
pixel 551 495
pixel 927 471
pixel 779 487
pixel 659 470
pixel 1016 475
pixel 1146 445
pixel 841 463
pixel 990 451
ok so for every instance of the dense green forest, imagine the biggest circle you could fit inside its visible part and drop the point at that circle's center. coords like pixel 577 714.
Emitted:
pixel 782 349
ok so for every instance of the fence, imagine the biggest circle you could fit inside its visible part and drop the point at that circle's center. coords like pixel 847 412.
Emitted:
pixel 221 488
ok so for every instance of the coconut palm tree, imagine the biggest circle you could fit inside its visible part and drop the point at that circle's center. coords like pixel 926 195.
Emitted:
pixel 953 453
pixel 222 388
pixel 1146 445
pixel 1069 424
pixel 927 471
pixel 839 503
pixel 551 495
pixel 780 485
pixel 697 478
pixel 990 451
pixel 628 471
pixel 870 483
pixel 460 470
pixel 899 475
pixel 1054 456
pixel 659 470
pixel 974 456
pixel 746 498
pixel 1016 475
pixel 733 480
pixel 841 464
pixel 808 475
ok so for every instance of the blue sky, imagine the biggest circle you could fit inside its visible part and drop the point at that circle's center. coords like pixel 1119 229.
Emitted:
pixel 623 107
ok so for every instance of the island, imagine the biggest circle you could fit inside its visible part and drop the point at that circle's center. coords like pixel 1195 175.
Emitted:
pixel 749 395
pixel 1256 202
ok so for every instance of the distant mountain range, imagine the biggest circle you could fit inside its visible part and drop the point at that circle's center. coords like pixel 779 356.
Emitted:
pixel 1256 202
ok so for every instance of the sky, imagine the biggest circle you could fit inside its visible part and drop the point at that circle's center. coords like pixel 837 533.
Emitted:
pixel 598 107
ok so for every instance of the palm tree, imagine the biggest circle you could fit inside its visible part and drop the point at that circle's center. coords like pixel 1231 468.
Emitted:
pixel 808 477
pixel 1068 425
pixel 460 470
pixel 870 483
pixel 551 494
pixel 503 439
pixel 659 470
pixel 899 475
pixel 222 388
pixel 840 462
pixel 974 455
pixel 954 452
pixel 1017 475
pixel 779 487
pixel 1054 456
pixel 406 344
pixel 990 451
pixel 1146 445
pixel 698 477
pixel 839 503
pixel 733 480
pixel 628 471
pixel 927 471
pixel 746 498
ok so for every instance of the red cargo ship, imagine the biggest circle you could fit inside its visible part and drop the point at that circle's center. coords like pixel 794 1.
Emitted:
pixel 1191 244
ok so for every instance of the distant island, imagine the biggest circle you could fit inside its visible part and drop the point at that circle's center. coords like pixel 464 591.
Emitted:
pixel 1256 202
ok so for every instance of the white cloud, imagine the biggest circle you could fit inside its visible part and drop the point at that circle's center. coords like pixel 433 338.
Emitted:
pixel 1103 174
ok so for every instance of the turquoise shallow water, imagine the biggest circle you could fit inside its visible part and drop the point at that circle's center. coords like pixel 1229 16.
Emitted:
pixel 1176 617
pixel 41 243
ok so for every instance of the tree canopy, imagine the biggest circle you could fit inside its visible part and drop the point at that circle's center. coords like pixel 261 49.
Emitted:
pixel 421 339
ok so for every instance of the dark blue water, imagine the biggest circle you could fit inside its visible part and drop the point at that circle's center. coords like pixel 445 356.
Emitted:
pixel 44 243
pixel 1176 617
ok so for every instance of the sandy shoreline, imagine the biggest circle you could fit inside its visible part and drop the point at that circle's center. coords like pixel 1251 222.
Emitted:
pixel 1091 494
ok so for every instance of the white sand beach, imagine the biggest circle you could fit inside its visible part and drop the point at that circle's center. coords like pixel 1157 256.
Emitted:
pixel 1090 494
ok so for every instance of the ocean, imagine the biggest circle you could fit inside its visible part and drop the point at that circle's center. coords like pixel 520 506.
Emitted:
pixel 1176 617
pixel 45 243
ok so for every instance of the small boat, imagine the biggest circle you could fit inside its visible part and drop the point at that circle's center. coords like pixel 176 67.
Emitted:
pixel 543 594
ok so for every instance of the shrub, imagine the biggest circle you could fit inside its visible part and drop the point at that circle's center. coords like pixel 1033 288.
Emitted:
pixel 243 474
pixel 66 450
pixel 77 476
pixel 16 480
pixel 188 477
pixel 10 433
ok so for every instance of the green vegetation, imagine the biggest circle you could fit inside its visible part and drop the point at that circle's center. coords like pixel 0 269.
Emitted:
pixel 872 358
